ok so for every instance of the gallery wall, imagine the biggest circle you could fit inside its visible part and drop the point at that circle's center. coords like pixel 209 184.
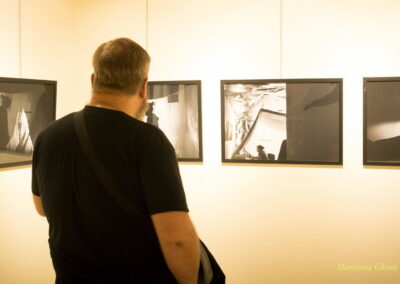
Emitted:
pixel 97 21
pixel 286 224
pixel 265 224
pixel 35 43
pixel 9 37
pixel 349 39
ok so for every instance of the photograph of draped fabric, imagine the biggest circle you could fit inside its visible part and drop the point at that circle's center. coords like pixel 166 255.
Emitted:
pixel 175 107
pixel 382 121
pixel 295 121
pixel 26 107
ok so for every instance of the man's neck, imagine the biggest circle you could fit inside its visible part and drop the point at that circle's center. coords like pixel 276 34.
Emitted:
pixel 116 101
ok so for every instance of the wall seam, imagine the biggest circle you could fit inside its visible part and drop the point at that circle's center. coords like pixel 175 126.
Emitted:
pixel 280 38
pixel 20 38
pixel 147 25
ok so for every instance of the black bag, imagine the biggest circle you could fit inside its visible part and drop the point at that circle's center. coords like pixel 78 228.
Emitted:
pixel 218 276
pixel 210 272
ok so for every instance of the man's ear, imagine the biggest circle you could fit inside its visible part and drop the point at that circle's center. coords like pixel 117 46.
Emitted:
pixel 92 79
pixel 143 89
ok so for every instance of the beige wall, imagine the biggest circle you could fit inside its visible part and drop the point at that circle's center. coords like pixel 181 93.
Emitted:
pixel 97 21
pixel 35 43
pixel 9 38
pixel 265 224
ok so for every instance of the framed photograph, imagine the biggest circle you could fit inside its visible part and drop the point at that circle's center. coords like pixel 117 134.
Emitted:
pixel 382 121
pixel 26 108
pixel 289 121
pixel 175 107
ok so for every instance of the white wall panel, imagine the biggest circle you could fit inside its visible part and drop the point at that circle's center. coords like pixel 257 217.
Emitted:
pixel 9 38
pixel 329 38
pixel 213 39
pixel 25 256
pixel 284 224
pixel 98 21
pixel 209 41
pixel 47 47
pixel 347 39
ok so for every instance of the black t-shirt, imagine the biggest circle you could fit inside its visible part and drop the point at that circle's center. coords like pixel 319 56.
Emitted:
pixel 91 238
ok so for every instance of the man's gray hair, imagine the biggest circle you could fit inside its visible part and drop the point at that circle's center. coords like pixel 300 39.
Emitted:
pixel 120 64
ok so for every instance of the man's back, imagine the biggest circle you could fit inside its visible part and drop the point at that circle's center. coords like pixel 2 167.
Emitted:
pixel 92 239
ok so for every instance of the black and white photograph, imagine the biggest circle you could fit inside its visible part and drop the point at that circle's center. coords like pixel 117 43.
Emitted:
pixel 175 107
pixel 382 121
pixel 26 108
pixel 282 121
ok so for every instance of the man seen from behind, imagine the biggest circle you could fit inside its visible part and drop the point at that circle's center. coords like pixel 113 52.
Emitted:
pixel 91 238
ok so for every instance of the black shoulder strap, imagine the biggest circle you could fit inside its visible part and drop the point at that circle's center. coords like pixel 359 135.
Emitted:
pixel 96 165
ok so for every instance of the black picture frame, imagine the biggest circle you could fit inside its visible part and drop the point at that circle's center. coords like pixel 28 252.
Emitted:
pixel 381 121
pixel 323 143
pixel 184 130
pixel 27 106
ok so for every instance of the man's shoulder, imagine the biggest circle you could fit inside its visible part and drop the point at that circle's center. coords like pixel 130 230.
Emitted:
pixel 153 132
pixel 59 124
pixel 57 129
pixel 152 138
pixel 133 128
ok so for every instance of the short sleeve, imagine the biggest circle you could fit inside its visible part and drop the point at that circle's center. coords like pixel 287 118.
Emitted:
pixel 35 188
pixel 34 185
pixel 159 174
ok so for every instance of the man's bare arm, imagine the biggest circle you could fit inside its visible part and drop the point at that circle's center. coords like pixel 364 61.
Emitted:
pixel 38 205
pixel 180 245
